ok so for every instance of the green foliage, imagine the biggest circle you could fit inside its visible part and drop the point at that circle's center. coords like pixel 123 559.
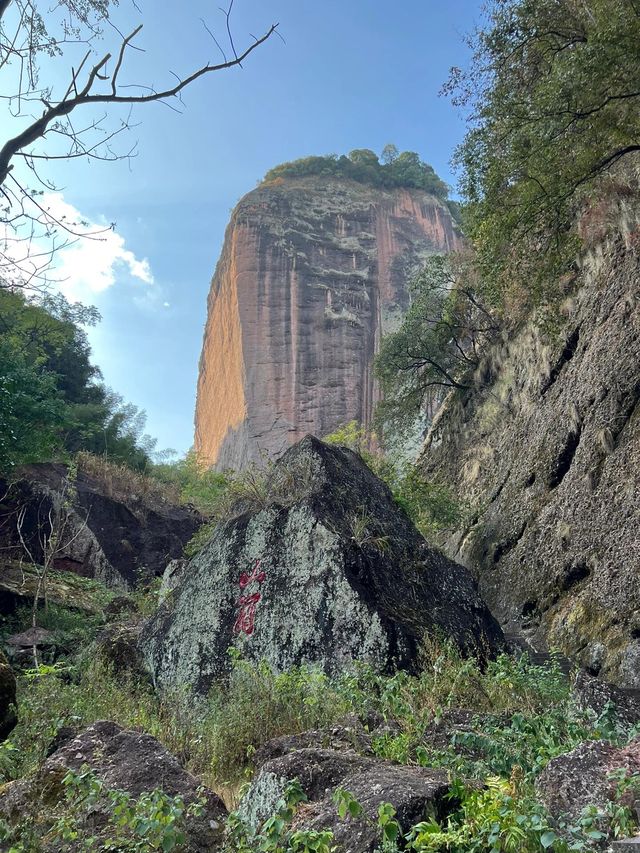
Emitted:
pixel 151 822
pixel 362 165
pixel 553 100
pixel 531 721
pixel 438 344
pixel 196 484
pixel 431 506
pixel 290 702
pixel 51 399
pixel 275 834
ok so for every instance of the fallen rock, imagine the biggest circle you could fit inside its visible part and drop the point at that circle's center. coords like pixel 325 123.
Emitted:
pixel 117 646
pixel 126 761
pixel 325 568
pixel 114 535
pixel 8 715
pixel 350 735
pixel 121 606
pixel 582 778
pixel 318 771
pixel 590 692
pixel 171 578
pixel 20 646
pixel 414 792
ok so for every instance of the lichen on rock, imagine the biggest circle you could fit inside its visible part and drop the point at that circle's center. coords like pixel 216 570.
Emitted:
pixel 293 583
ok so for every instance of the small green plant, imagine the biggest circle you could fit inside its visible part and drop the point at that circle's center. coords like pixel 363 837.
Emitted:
pixel 275 835
pixel 362 526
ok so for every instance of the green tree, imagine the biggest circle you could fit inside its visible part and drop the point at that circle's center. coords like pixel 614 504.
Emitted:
pixel 553 95
pixel 439 343
pixel 52 399
pixel 389 153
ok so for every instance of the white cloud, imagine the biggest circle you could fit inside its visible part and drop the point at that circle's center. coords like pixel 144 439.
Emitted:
pixel 92 263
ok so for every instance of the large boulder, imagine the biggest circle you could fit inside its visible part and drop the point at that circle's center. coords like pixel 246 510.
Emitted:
pixel 8 716
pixel 323 568
pixel 117 534
pixel 599 696
pixel 587 776
pixel 415 793
pixel 125 761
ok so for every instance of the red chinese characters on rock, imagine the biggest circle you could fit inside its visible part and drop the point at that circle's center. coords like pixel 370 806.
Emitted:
pixel 245 622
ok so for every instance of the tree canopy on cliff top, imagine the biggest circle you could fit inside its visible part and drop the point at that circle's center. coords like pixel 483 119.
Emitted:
pixel 404 169
pixel 553 94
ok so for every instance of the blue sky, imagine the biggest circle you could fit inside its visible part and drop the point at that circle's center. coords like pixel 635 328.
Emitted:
pixel 351 74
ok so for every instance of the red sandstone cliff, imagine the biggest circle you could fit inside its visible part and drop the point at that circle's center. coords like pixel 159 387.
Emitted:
pixel 313 271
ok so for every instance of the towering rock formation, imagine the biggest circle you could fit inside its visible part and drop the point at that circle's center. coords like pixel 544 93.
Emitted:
pixel 312 273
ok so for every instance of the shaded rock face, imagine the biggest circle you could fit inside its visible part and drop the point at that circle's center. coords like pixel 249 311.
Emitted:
pixel 415 792
pixel 8 715
pixel 548 453
pixel 313 272
pixel 327 571
pixel 125 761
pixel 115 542
pixel 586 777
pixel 590 692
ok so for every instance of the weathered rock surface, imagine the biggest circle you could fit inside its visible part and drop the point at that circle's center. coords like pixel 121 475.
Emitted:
pixel 119 542
pixel 117 646
pixel 548 453
pixel 414 792
pixel 349 735
pixel 327 570
pixel 312 273
pixel 582 778
pixel 123 760
pixel 590 692
pixel 8 715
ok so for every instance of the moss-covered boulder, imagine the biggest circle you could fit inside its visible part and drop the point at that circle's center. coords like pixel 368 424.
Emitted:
pixel 324 568
pixel 8 715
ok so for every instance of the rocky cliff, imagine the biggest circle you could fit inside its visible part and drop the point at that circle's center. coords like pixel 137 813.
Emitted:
pixel 313 271
pixel 545 452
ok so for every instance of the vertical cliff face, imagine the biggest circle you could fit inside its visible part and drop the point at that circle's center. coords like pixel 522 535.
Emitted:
pixel 313 272
pixel 546 456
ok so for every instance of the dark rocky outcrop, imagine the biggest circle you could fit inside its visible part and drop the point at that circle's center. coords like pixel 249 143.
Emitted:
pixel 585 777
pixel 117 646
pixel 123 760
pixel 546 449
pixel 118 540
pixel 8 715
pixel 313 273
pixel 326 570
pixel 590 692
pixel 349 735
pixel 414 792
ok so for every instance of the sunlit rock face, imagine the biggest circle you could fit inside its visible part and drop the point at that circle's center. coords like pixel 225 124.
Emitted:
pixel 313 272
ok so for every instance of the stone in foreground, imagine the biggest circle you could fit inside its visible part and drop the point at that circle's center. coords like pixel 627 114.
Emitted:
pixel 583 777
pixel 590 692
pixel 327 569
pixel 414 792
pixel 126 761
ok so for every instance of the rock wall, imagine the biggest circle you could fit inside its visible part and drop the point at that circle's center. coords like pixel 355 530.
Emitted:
pixel 547 457
pixel 313 271
pixel 116 540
